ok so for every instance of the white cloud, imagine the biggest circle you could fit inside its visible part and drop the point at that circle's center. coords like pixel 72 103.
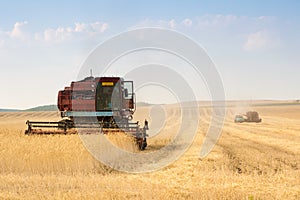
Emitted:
pixel 18 31
pixel 187 22
pixel 264 19
pixel 57 35
pixel 20 34
pixel 204 21
pixel 62 34
pixel 239 31
pixel 79 27
pixel 216 20
pixel 225 19
pixel 258 41
pixel 156 23
pixel 98 27
pixel 95 27
pixel 172 23
pixel 16 36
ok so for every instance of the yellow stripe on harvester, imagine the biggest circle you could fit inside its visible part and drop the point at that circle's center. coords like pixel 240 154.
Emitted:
pixel 107 83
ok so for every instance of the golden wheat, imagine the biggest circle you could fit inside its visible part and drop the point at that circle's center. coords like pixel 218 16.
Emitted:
pixel 250 161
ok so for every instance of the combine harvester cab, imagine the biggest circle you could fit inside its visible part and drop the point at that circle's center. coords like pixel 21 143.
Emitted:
pixel 106 103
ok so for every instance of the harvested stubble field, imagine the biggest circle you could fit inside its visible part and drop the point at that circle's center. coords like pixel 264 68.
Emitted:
pixel 250 161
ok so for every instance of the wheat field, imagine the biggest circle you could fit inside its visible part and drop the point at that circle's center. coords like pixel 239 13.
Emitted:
pixel 250 161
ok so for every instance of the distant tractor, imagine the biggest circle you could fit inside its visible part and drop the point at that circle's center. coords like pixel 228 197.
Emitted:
pixel 251 116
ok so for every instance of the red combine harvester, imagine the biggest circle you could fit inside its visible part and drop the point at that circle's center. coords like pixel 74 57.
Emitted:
pixel 105 103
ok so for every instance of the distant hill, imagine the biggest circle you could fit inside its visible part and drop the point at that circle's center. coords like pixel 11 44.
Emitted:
pixel 142 104
pixel 38 108
pixel 43 108
pixel 9 110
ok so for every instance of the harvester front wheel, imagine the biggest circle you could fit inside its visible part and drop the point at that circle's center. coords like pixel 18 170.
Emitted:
pixel 142 143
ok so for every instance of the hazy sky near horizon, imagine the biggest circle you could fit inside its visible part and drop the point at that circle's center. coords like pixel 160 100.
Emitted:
pixel 254 44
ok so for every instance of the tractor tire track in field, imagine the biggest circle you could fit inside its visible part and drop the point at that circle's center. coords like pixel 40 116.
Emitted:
pixel 248 156
pixel 270 137
pixel 273 130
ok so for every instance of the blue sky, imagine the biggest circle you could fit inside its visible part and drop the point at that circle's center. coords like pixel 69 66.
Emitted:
pixel 254 44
